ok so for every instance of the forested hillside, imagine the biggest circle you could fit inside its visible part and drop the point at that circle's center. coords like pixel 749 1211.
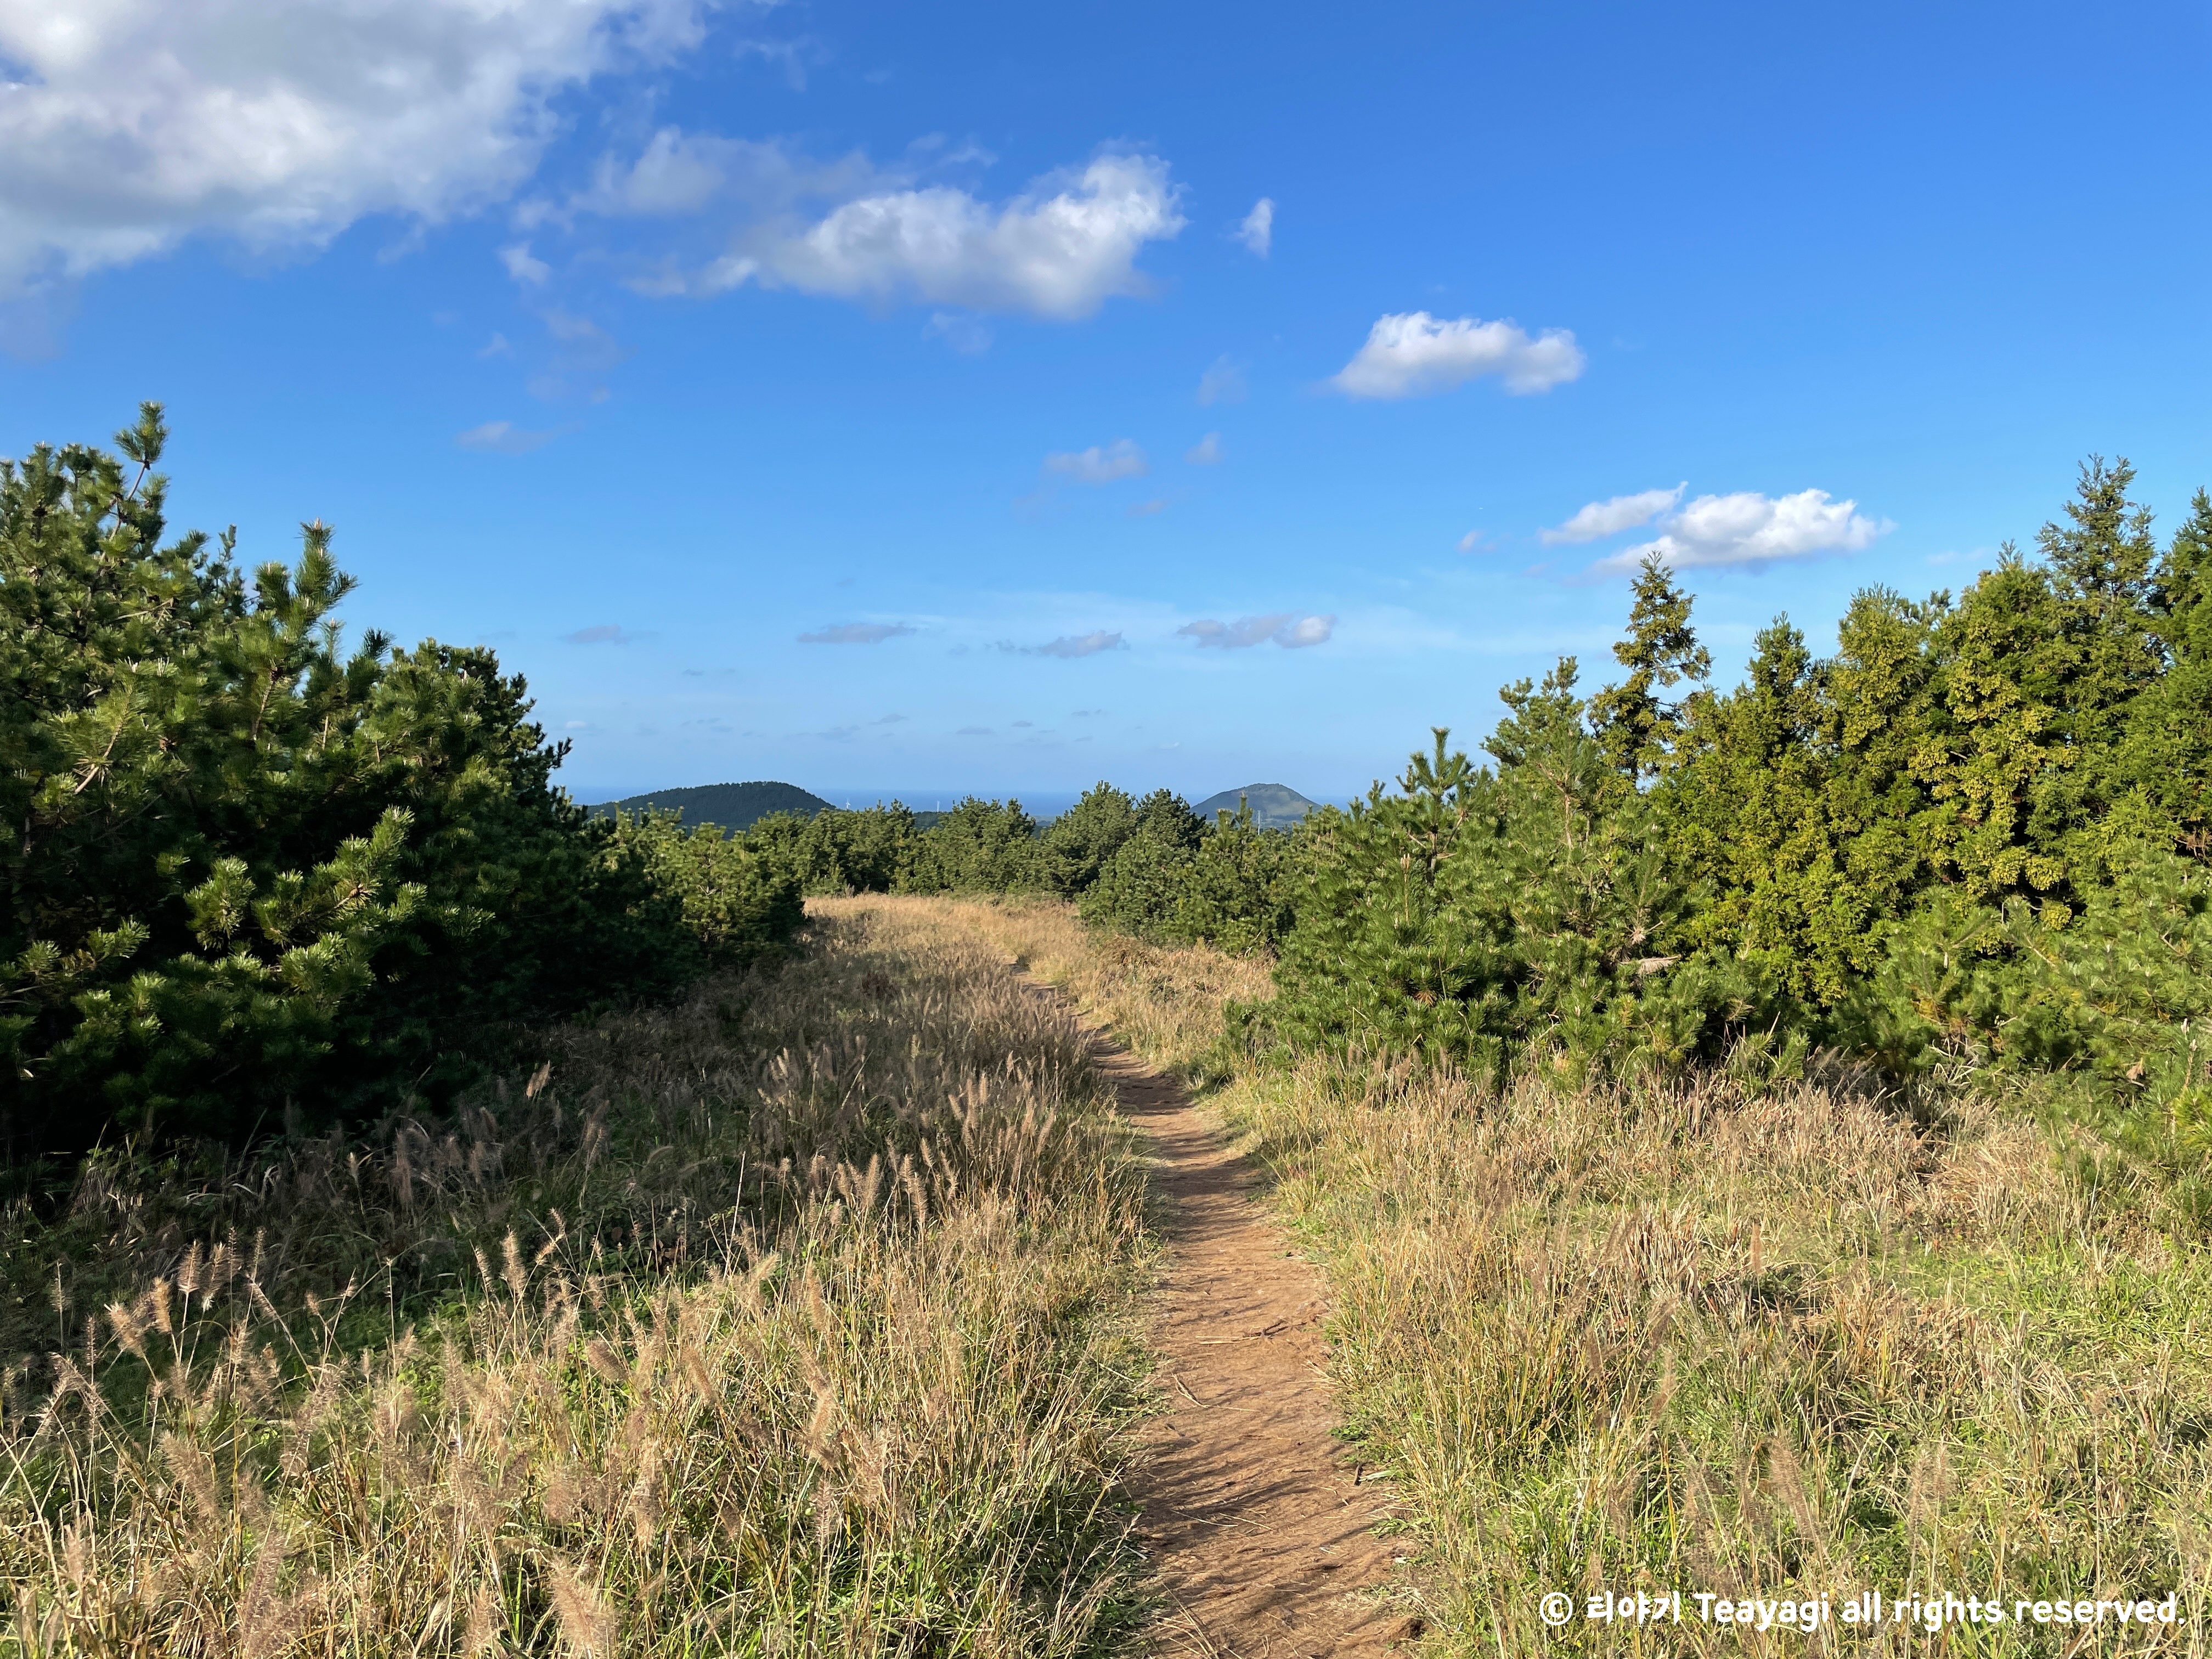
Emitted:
pixel 734 807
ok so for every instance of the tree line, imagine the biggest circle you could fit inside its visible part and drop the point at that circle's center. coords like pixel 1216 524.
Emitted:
pixel 1972 840
pixel 253 876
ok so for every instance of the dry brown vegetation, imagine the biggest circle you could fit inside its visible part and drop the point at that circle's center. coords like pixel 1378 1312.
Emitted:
pixel 794 1319
pixel 798 1320
pixel 1786 1341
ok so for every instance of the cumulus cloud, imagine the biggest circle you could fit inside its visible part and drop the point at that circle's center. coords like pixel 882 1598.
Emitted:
pixel 131 125
pixel 1257 230
pixel 1079 645
pixel 855 634
pixel 1286 628
pixel 1098 465
pixel 504 438
pixel 1412 355
pixel 1060 250
pixel 1599 519
pixel 1222 383
pixel 1206 451
pixel 1746 528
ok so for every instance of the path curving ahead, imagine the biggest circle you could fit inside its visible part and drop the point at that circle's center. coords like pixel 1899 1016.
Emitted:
pixel 1262 1534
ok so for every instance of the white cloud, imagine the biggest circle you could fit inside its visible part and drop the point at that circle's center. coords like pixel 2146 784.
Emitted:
pixel 1471 541
pixel 1411 354
pixel 855 634
pixel 524 266
pixel 1095 465
pixel 1080 645
pixel 678 173
pixel 1060 251
pixel 131 125
pixel 1716 532
pixel 504 438
pixel 1257 231
pixel 1206 451
pixel 1599 519
pixel 1286 628
pixel 1150 509
pixel 1222 383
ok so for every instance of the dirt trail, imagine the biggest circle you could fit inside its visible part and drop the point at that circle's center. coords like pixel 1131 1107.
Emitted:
pixel 1260 1532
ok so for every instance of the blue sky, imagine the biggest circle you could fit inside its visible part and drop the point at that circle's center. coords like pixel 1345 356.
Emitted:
pixel 908 400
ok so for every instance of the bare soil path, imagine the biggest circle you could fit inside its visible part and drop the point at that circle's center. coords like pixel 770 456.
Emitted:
pixel 1261 1532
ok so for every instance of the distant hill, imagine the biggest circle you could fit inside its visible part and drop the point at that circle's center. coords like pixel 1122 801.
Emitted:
pixel 1274 805
pixel 735 806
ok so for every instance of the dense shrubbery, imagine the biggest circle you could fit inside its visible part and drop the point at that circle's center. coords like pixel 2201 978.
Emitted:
pixel 1975 836
pixel 248 874
pixel 1151 867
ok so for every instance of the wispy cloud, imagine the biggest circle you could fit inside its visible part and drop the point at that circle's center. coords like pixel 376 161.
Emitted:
pixel 1150 509
pixel 1079 645
pixel 1257 228
pixel 525 266
pixel 1413 354
pixel 855 634
pixel 1286 628
pixel 1748 529
pixel 1222 383
pixel 963 333
pixel 1609 518
pixel 600 633
pixel 1098 465
pixel 504 438
pixel 1471 542
pixel 973 731
pixel 1206 451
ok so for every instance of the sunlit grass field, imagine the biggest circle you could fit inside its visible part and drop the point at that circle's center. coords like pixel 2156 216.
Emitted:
pixel 1782 1342
pixel 797 1319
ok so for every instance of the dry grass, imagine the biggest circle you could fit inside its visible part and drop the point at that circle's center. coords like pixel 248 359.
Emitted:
pixel 1713 1338
pixel 793 1321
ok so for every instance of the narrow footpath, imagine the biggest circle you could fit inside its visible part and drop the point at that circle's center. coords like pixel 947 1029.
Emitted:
pixel 1262 1534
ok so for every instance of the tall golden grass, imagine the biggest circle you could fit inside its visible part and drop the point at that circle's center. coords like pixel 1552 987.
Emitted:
pixel 1714 1336
pixel 795 1320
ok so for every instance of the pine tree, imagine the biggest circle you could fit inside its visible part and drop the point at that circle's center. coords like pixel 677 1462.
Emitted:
pixel 1635 727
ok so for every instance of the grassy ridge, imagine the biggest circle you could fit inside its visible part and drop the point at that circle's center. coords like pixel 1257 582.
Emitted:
pixel 790 1320
pixel 1784 1340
